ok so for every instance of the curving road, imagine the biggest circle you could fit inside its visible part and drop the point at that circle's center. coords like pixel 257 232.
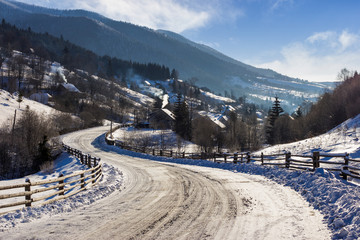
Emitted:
pixel 170 201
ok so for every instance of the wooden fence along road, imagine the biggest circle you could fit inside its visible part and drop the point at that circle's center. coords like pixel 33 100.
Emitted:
pixel 56 188
pixel 307 162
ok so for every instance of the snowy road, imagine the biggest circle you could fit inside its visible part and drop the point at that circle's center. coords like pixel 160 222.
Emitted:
pixel 170 201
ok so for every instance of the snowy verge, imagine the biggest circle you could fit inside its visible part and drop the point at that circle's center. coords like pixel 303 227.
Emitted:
pixel 110 181
pixel 337 199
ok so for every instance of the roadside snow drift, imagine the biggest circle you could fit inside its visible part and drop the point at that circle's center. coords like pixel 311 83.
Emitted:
pixel 110 181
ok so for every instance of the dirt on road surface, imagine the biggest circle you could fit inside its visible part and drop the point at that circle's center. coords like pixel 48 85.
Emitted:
pixel 170 201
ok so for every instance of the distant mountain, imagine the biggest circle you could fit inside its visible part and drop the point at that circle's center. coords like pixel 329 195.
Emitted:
pixel 130 42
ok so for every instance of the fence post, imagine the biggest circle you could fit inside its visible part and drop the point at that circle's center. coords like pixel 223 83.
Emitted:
pixel 242 157
pixel 161 152
pixel 171 153
pixel 287 159
pixel 183 155
pixel 61 188
pixel 82 176
pixel 154 151
pixel 248 157
pixel 316 158
pixel 262 158
pixel 225 160
pixel 27 191
pixel 89 162
pixel 214 156
pixel 93 176
pixel 346 163
pixel 235 157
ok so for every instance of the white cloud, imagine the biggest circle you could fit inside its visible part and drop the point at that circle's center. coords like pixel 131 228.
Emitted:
pixel 320 36
pixel 173 15
pixel 320 57
pixel 276 4
pixel 347 39
pixel 157 14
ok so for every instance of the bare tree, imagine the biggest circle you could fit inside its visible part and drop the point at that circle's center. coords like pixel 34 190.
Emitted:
pixel 344 74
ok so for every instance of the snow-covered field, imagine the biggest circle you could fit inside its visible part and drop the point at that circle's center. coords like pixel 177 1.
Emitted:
pixel 155 138
pixel 8 105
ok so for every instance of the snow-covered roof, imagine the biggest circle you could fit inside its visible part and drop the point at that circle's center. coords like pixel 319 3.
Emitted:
pixel 70 87
pixel 168 112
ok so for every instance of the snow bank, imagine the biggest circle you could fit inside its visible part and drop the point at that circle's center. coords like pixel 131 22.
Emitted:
pixel 341 139
pixel 337 199
pixel 111 180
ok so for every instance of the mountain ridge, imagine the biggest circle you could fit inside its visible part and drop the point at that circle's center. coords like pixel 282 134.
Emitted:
pixel 141 44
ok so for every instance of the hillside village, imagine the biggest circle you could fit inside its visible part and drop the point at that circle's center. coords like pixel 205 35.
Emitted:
pixel 274 134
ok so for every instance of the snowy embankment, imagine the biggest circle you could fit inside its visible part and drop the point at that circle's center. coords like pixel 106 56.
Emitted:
pixel 111 180
pixel 337 199
pixel 341 139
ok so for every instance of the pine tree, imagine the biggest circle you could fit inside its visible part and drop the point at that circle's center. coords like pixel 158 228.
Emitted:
pixel 182 118
pixel 273 115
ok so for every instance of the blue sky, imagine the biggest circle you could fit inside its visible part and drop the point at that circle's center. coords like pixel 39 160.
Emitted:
pixel 308 39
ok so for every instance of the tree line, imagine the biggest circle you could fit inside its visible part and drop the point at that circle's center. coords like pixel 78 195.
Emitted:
pixel 329 111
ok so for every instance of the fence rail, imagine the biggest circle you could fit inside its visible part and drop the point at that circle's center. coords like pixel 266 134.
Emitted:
pixel 306 162
pixel 55 188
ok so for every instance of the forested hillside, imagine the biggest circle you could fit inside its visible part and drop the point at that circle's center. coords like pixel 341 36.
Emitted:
pixel 330 110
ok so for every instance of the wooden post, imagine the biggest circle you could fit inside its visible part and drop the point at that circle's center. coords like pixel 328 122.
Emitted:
pixel 161 152
pixel 171 153
pixel 235 157
pixel 61 182
pixel 262 158
pixel 248 157
pixel 316 158
pixel 346 164
pixel 89 162
pixel 154 151
pixel 287 159
pixel 242 158
pixel 94 176
pixel 225 160
pixel 27 190
pixel 82 180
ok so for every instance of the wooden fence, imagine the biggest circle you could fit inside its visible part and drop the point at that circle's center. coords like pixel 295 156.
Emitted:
pixel 307 162
pixel 56 188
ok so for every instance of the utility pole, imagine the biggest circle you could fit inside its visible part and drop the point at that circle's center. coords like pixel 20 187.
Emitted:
pixel 13 128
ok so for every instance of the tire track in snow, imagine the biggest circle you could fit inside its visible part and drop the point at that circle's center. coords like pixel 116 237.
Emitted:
pixel 169 201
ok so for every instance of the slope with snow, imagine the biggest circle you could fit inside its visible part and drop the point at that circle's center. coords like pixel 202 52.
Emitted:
pixel 341 139
pixel 9 103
